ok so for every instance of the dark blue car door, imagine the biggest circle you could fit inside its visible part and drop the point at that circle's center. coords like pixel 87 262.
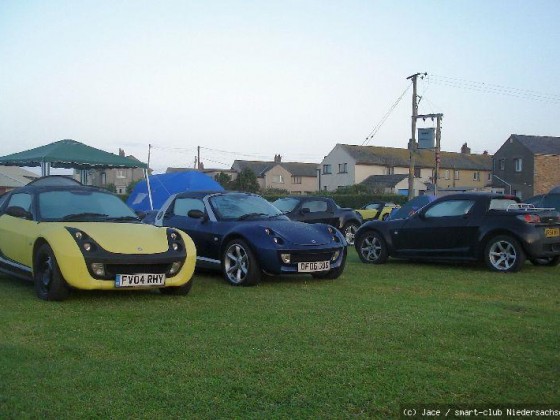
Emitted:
pixel 203 231
pixel 445 229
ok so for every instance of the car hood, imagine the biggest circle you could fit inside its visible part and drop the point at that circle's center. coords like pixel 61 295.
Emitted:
pixel 125 238
pixel 301 233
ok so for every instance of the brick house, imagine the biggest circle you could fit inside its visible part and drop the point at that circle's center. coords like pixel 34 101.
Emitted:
pixel 528 165
pixel 295 177
pixel 121 178
pixel 351 164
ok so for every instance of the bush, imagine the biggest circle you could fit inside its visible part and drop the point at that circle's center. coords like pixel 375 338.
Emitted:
pixel 354 201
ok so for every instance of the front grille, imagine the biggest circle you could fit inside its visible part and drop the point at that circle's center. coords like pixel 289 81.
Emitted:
pixel 298 257
pixel 114 269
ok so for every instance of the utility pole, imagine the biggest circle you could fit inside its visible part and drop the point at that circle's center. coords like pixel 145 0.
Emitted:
pixel 438 149
pixel 198 159
pixel 438 145
pixel 412 146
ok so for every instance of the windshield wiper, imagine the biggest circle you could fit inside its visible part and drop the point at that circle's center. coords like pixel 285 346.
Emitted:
pixel 251 215
pixel 79 216
pixel 124 219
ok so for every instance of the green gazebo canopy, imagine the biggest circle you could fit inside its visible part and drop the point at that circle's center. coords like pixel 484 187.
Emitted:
pixel 69 154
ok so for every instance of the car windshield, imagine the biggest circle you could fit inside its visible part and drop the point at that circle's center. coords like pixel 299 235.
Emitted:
pixel 286 205
pixel 76 205
pixel 242 207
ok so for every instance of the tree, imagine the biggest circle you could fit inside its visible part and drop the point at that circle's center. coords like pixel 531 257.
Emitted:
pixel 132 184
pixel 111 187
pixel 246 181
pixel 224 180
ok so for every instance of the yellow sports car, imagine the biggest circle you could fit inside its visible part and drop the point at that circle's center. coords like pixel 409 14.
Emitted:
pixel 377 210
pixel 64 235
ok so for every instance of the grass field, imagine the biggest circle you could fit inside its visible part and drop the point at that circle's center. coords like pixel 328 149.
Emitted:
pixel 359 346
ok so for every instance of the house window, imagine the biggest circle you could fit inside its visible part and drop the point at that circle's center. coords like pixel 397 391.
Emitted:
pixel 103 178
pixel 342 168
pixel 456 175
pixel 489 176
pixel 476 176
pixel 518 163
pixel 120 174
pixel 417 172
pixel 296 180
pixel 447 174
pixel 327 169
pixel 502 163
pixel 277 179
pixel 121 190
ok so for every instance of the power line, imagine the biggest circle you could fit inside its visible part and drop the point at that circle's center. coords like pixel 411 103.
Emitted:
pixel 385 117
pixel 493 89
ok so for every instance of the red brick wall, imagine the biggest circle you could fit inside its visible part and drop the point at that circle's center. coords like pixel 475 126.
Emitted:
pixel 547 173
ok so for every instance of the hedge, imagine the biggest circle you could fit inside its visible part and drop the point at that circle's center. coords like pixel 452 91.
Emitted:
pixel 354 201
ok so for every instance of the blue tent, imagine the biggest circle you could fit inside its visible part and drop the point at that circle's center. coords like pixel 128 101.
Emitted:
pixel 411 207
pixel 164 185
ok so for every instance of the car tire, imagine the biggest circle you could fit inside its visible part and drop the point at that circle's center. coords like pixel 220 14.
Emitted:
pixel 177 290
pixel 546 261
pixel 372 248
pixel 349 231
pixel 333 273
pixel 239 265
pixel 49 282
pixel 504 254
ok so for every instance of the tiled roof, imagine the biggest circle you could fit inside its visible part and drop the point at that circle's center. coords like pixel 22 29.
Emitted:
pixel 392 156
pixel 387 181
pixel 260 168
pixel 539 145
pixel 14 176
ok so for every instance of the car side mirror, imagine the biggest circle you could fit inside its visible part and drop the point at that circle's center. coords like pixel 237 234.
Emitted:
pixel 419 214
pixel 20 212
pixel 305 210
pixel 196 214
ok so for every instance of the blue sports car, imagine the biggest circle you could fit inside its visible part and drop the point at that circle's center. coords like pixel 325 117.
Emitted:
pixel 243 235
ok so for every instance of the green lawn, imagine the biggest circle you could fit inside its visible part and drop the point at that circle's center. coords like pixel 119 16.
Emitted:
pixel 295 347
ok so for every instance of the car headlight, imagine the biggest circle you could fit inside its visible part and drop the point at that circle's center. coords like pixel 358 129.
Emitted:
pixel 175 240
pixel 83 240
pixel 175 267
pixel 286 258
pixel 335 255
pixel 98 269
pixel 275 238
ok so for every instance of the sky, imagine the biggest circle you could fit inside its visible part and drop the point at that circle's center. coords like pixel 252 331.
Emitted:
pixel 249 79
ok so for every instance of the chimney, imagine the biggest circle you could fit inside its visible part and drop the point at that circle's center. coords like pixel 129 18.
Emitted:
pixel 465 149
pixel 277 158
pixel 121 152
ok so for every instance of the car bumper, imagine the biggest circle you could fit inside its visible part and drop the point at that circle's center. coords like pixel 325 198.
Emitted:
pixel 538 246
pixel 74 270
pixel 272 263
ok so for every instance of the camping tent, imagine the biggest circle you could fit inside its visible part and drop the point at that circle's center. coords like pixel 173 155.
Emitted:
pixel 411 207
pixel 164 185
pixel 69 154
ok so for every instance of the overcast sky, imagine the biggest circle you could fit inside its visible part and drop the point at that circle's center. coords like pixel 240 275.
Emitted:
pixel 251 79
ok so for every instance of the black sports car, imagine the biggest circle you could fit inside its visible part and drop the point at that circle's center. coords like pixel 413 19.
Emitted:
pixel 311 209
pixel 495 228
pixel 244 235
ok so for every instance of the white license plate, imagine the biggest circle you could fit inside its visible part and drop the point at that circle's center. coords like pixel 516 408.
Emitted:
pixel 310 267
pixel 139 280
